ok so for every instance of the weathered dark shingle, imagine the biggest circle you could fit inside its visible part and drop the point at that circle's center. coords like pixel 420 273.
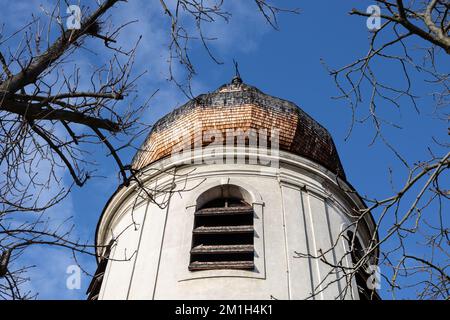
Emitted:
pixel 240 106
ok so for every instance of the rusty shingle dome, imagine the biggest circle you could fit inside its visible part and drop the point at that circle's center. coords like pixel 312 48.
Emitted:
pixel 240 106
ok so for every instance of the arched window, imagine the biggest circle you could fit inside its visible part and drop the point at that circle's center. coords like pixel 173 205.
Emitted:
pixel 223 234
pixel 93 290
pixel 357 253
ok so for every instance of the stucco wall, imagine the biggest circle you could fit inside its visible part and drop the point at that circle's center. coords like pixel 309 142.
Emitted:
pixel 295 211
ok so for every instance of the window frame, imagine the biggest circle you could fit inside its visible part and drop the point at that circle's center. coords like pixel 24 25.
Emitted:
pixel 362 291
pixel 238 214
pixel 253 198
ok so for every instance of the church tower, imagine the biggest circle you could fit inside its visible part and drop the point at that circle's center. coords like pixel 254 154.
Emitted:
pixel 235 188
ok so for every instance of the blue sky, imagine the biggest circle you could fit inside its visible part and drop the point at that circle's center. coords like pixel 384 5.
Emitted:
pixel 285 63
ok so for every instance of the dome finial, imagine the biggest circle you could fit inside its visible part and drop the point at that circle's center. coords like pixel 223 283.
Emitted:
pixel 237 76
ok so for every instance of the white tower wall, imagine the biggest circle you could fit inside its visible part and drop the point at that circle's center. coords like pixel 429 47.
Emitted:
pixel 298 207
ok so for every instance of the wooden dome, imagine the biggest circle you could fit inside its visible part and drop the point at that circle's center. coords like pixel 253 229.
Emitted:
pixel 240 106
